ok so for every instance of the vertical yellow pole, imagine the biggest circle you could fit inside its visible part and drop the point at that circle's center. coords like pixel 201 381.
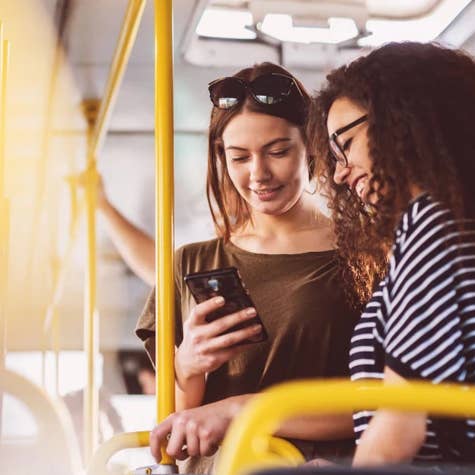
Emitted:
pixel 91 399
pixel 91 394
pixel 3 220
pixel 4 208
pixel 164 249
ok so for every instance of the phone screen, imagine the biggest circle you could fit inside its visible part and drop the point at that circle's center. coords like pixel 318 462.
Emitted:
pixel 227 283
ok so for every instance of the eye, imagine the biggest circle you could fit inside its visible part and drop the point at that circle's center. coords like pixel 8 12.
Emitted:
pixel 279 153
pixel 239 159
pixel 347 144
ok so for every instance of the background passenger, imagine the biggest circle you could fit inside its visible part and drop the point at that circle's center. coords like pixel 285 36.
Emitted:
pixel 269 226
pixel 395 132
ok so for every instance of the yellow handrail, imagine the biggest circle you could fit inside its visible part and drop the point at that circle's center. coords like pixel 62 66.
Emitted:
pixel 96 134
pixel 247 444
pixel 55 430
pixel 4 208
pixel 164 308
pixel 122 53
pixel 127 440
pixel 4 204
pixel 91 394
pixel 62 268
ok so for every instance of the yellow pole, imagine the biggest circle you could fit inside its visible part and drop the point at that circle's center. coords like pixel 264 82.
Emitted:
pixel 164 308
pixel 124 47
pixel 4 209
pixel 97 129
pixel 91 347
pixel 4 205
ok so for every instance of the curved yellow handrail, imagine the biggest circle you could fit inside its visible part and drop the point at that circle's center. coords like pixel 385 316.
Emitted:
pixel 55 429
pixel 127 440
pixel 246 446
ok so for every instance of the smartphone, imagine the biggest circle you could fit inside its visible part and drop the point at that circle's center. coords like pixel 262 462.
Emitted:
pixel 227 283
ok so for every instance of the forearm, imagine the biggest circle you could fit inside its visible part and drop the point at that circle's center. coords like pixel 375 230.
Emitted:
pixel 391 437
pixel 136 247
pixel 321 427
pixel 189 393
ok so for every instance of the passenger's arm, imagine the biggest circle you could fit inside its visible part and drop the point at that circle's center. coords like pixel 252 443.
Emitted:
pixel 391 437
pixel 318 427
pixel 203 428
pixel 206 347
pixel 135 246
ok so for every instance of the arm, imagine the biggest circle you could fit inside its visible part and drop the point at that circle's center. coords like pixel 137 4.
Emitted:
pixel 206 347
pixel 391 437
pixel 321 427
pixel 203 428
pixel 136 247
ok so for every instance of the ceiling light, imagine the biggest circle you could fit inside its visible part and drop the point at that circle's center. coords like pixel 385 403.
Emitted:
pixel 422 29
pixel 281 27
pixel 226 23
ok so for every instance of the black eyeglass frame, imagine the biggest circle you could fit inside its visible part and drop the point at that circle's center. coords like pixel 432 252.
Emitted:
pixel 247 88
pixel 336 150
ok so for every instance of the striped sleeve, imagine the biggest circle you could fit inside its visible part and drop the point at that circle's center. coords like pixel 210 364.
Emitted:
pixel 423 338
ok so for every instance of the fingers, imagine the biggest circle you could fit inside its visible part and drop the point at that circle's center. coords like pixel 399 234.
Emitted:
pixel 223 324
pixel 177 441
pixel 159 434
pixel 199 313
pixel 207 444
pixel 232 339
pixel 186 437
pixel 192 440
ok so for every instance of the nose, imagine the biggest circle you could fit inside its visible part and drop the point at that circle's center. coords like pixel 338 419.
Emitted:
pixel 260 171
pixel 341 173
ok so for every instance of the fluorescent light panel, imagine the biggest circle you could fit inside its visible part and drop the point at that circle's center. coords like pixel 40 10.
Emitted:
pixel 281 27
pixel 421 29
pixel 226 23
pixel 234 24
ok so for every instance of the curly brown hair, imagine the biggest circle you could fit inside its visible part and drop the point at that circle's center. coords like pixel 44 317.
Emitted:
pixel 228 209
pixel 420 102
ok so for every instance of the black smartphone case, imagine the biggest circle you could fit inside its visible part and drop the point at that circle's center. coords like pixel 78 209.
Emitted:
pixel 228 283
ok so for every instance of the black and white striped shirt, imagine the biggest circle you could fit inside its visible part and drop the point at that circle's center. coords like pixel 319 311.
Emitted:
pixel 420 321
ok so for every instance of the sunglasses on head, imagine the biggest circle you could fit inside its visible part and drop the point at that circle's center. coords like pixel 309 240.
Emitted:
pixel 268 89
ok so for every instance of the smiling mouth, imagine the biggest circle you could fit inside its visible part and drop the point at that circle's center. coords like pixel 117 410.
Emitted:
pixel 358 185
pixel 267 194
pixel 267 191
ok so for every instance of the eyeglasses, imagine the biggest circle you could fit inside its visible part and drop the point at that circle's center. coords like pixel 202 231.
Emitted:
pixel 269 89
pixel 336 149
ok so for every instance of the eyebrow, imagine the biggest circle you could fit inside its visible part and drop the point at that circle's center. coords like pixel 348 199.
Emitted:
pixel 267 145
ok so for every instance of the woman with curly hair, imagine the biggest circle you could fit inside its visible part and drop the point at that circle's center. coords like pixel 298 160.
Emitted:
pixel 396 142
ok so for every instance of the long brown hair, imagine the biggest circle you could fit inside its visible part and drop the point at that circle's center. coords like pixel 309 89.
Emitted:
pixel 420 101
pixel 228 209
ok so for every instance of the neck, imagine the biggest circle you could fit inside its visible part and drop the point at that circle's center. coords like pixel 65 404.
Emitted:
pixel 302 216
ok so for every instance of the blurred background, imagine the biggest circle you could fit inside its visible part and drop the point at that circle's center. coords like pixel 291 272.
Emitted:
pixel 61 52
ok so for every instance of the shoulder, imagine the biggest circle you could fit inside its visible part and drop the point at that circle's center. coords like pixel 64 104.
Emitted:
pixel 197 249
pixel 200 256
pixel 423 213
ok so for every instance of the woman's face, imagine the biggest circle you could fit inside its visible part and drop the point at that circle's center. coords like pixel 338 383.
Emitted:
pixel 266 161
pixel 354 142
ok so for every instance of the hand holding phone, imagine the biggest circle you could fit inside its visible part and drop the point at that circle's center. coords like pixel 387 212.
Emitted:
pixel 227 283
pixel 213 334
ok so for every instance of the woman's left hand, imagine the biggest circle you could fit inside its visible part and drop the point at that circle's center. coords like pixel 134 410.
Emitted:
pixel 197 431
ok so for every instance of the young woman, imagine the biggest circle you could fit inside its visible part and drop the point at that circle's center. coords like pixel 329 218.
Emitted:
pixel 395 137
pixel 269 226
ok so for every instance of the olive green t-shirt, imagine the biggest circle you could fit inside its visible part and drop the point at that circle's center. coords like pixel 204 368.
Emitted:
pixel 300 300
